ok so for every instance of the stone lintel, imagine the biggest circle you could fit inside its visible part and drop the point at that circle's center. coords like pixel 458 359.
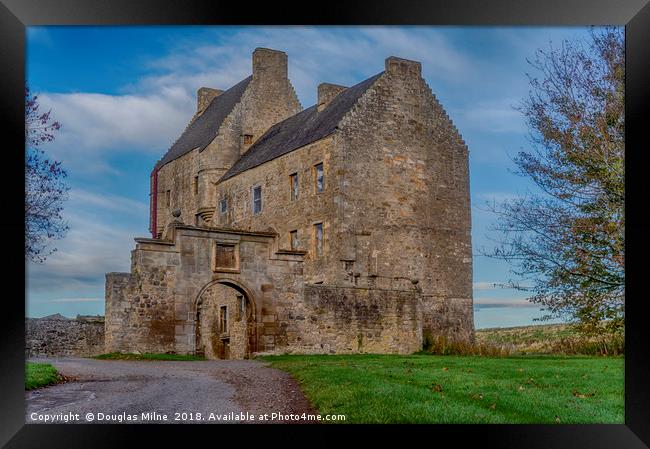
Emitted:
pixel 153 241
pixel 216 230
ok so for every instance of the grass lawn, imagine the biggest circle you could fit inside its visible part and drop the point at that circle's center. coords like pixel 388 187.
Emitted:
pixel 461 389
pixel 146 356
pixel 39 375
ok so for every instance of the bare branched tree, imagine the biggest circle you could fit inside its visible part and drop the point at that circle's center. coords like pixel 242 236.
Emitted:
pixel 45 188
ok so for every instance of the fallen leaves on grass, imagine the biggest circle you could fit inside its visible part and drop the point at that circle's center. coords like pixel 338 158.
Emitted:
pixel 436 387
pixel 531 381
pixel 577 394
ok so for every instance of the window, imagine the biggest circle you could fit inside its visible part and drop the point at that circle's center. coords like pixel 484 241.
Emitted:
pixel 223 319
pixel 225 256
pixel 168 198
pixel 195 185
pixel 257 200
pixel 318 239
pixel 294 239
pixel 320 177
pixel 294 186
pixel 248 139
pixel 223 206
pixel 242 306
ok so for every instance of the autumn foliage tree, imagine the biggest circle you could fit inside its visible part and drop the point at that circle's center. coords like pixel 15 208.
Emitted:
pixel 565 241
pixel 45 188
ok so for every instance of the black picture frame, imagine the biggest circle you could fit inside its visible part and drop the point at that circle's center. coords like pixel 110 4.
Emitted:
pixel 15 15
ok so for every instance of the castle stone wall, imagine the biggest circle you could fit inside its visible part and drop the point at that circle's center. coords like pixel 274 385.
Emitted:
pixel 59 336
pixel 140 304
pixel 268 99
pixel 396 261
pixel 154 307
pixel 282 214
pixel 340 320
pixel 413 221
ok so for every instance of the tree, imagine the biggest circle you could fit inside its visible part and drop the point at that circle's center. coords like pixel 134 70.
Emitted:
pixel 566 239
pixel 45 188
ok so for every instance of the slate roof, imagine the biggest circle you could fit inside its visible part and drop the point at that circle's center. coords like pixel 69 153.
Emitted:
pixel 204 129
pixel 299 130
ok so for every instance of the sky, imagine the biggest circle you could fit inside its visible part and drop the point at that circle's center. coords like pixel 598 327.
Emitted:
pixel 124 94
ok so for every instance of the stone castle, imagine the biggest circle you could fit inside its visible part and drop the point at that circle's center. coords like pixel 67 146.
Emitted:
pixel 340 228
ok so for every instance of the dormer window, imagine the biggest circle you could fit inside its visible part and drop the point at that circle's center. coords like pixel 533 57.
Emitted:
pixel 248 139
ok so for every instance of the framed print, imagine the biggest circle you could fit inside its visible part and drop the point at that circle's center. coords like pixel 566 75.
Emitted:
pixel 377 214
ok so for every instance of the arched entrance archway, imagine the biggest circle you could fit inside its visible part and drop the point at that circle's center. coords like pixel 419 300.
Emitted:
pixel 225 321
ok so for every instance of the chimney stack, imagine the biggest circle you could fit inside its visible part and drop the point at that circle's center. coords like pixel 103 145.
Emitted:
pixel 326 93
pixel 403 67
pixel 269 64
pixel 204 96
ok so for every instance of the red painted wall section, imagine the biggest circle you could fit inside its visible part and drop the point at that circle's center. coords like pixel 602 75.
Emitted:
pixel 153 203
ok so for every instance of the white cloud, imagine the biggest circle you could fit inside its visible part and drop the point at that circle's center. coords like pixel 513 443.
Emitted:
pixel 327 54
pixel 495 116
pixel 95 126
pixel 91 249
pixel 149 114
pixel 510 302
pixel 77 300
pixel 488 285
pixel 106 202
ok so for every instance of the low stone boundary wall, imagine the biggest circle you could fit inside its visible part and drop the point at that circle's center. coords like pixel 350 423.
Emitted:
pixel 57 336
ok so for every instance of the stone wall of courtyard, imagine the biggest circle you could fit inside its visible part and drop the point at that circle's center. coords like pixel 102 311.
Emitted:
pixel 58 336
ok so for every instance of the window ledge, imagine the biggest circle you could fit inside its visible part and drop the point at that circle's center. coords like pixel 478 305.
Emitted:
pixel 226 270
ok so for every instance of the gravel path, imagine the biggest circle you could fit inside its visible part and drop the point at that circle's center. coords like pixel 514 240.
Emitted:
pixel 219 390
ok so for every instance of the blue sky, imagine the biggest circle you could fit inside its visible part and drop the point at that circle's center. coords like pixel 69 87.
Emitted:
pixel 124 94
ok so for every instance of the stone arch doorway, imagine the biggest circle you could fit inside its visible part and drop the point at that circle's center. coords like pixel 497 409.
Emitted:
pixel 225 321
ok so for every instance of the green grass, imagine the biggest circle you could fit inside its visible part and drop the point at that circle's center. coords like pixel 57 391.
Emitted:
pixel 147 356
pixel 461 389
pixel 38 375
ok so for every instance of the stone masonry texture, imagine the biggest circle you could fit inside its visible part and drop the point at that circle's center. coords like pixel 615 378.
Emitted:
pixel 355 241
pixel 57 336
